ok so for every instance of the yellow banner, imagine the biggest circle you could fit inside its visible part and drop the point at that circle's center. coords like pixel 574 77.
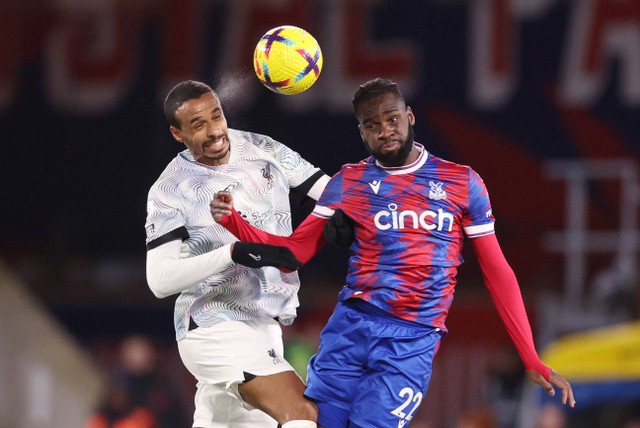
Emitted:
pixel 609 354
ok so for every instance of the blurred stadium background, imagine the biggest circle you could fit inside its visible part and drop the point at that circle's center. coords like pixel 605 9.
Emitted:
pixel 541 97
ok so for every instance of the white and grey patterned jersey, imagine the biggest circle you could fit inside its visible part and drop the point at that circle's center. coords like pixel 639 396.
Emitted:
pixel 259 175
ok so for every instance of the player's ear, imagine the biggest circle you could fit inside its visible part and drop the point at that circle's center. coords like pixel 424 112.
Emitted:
pixel 177 134
pixel 361 134
pixel 411 116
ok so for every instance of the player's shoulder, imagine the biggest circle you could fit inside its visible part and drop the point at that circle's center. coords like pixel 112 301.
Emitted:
pixel 450 167
pixel 251 146
pixel 356 167
pixel 445 163
pixel 250 138
pixel 177 170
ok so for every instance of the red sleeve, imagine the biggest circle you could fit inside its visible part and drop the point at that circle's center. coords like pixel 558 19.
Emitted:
pixel 304 243
pixel 505 293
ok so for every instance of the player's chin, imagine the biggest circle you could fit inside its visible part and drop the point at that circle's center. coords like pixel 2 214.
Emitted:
pixel 387 151
pixel 217 153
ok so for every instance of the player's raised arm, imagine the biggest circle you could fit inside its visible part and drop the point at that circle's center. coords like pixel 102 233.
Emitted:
pixel 505 293
pixel 305 241
pixel 167 273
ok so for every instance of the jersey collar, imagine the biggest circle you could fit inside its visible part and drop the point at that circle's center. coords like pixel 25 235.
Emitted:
pixel 412 167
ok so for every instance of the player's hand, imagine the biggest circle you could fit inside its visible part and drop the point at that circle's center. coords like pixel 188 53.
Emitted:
pixel 221 205
pixel 339 230
pixel 259 255
pixel 557 380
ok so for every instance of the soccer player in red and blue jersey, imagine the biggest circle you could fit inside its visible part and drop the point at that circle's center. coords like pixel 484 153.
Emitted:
pixel 411 212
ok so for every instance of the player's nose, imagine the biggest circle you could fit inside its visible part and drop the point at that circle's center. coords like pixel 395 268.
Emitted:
pixel 213 130
pixel 386 131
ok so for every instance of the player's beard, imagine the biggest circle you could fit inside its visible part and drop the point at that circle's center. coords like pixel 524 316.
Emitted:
pixel 397 158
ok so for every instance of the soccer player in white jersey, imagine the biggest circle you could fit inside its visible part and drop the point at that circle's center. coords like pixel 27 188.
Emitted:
pixel 232 296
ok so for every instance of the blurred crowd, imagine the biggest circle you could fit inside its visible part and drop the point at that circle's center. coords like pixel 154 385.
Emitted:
pixel 141 391
pixel 147 388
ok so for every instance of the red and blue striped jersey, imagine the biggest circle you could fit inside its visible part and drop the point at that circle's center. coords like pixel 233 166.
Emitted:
pixel 410 225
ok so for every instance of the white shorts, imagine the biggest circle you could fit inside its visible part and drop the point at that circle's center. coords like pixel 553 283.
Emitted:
pixel 218 357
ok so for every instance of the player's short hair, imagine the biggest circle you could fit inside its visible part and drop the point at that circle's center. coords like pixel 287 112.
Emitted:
pixel 181 93
pixel 373 88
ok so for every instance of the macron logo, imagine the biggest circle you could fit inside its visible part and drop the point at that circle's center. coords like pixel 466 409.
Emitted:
pixel 254 257
pixel 375 185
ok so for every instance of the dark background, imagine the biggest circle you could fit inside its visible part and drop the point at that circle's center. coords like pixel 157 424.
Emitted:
pixel 505 86
pixel 84 135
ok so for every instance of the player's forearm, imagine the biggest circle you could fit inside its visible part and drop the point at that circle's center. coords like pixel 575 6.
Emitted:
pixel 168 274
pixel 505 293
pixel 305 241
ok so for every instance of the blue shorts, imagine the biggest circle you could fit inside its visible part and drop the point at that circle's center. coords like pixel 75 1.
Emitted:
pixel 371 369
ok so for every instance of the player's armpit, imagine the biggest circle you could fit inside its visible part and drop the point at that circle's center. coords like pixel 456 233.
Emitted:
pixel 311 188
pixel 339 230
pixel 505 293
pixel 304 243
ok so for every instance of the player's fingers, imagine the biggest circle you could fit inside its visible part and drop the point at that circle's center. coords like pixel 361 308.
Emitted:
pixel 570 399
pixel 565 387
pixel 565 395
pixel 220 206
pixel 218 212
pixel 549 389
pixel 536 377
pixel 223 195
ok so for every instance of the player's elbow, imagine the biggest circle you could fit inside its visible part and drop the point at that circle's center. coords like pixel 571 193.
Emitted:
pixel 158 284
pixel 160 294
pixel 158 289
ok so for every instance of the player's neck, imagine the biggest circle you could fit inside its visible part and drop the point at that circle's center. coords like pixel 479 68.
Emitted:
pixel 414 154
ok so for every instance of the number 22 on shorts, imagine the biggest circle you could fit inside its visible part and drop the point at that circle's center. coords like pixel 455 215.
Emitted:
pixel 411 402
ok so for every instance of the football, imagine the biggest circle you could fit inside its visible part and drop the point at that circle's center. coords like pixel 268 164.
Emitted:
pixel 287 60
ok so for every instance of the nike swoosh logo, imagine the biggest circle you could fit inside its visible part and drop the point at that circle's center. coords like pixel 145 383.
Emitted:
pixel 256 258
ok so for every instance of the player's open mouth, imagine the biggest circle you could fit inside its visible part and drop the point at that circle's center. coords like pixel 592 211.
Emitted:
pixel 216 144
